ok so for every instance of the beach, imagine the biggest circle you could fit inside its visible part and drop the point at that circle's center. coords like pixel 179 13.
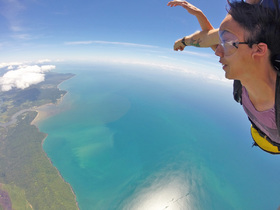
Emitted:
pixel 44 112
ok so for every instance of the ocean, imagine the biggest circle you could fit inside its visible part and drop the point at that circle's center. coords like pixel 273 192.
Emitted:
pixel 140 137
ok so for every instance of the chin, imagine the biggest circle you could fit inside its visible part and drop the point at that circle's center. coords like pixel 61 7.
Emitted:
pixel 228 76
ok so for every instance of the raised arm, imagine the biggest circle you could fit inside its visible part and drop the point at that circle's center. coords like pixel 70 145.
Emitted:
pixel 208 37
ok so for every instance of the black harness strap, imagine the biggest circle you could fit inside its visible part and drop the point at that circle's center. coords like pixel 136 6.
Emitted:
pixel 277 103
pixel 237 91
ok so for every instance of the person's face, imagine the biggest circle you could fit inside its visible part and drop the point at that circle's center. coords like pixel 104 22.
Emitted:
pixel 234 53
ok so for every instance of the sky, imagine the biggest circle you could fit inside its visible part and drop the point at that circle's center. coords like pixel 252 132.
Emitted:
pixel 37 32
pixel 51 29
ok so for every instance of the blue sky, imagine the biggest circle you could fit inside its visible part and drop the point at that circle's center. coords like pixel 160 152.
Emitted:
pixel 51 29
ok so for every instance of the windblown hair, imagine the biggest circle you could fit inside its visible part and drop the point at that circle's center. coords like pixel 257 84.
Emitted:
pixel 262 24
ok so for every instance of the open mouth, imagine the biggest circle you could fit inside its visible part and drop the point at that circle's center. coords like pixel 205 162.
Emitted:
pixel 224 65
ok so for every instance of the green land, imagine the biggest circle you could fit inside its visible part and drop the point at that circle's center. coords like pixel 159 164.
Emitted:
pixel 28 180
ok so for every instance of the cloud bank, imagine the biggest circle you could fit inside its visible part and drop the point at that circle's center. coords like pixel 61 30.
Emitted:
pixel 24 76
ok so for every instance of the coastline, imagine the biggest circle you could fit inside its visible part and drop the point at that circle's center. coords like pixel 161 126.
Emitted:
pixel 44 112
pixel 58 172
pixel 48 110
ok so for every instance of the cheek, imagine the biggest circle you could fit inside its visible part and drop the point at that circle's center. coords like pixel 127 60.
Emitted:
pixel 245 62
pixel 241 60
pixel 236 65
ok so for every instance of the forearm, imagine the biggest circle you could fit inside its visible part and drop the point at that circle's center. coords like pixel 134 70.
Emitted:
pixel 204 22
pixel 203 38
pixel 199 39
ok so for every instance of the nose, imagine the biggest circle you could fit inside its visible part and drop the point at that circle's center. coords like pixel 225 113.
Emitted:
pixel 219 51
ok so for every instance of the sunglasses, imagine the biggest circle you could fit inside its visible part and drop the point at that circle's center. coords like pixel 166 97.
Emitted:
pixel 229 42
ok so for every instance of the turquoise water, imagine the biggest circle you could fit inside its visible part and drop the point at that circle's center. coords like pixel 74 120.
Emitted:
pixel 143 138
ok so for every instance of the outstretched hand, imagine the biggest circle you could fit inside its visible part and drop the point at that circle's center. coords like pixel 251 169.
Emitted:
pixel 189 7
pixel 178 45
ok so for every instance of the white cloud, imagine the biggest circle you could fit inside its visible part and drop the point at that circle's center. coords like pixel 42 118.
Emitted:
pixel 43 61
pixel 10 65
pixel 22 36
pixel 110 43
pixel 198 53
pixel 19 64
pixel 47 68
pixel 79 43
pixel 24 76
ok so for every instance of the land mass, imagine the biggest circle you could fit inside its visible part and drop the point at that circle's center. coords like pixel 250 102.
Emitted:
pixel 28 180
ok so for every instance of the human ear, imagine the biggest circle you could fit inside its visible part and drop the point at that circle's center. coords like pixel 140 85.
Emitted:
pixel 259 50
pixel 252 1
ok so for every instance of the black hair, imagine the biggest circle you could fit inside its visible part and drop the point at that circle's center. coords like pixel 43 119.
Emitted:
pixel 261 23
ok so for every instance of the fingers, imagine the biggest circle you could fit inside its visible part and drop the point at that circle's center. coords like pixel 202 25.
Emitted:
pixel 179 49
pixel 175 3
pixel 189 7
pixel 172 4
pixel 178 46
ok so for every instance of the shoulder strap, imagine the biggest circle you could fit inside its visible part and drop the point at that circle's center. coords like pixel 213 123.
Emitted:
pixel 277 103
pixel 237 91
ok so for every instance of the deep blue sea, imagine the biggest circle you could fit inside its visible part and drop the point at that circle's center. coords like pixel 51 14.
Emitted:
pixel 139 137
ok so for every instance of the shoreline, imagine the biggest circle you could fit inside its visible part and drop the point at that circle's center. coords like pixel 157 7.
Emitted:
pixel 58 172
pixel 44 112
pixel 48 110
